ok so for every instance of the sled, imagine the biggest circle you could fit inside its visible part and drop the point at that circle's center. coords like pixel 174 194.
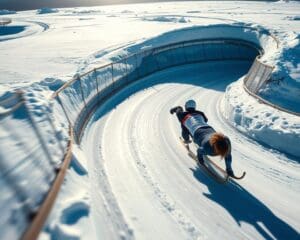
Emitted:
pixel 210 167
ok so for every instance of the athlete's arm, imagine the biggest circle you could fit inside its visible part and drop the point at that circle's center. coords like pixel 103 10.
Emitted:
pixel 228 161
pixel 180 115
pixel 200 153
pixel 179 112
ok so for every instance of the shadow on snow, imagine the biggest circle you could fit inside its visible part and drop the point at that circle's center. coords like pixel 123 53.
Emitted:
pixel 244 207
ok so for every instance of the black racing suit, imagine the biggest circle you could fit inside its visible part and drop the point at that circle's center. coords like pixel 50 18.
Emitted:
pixel 194 124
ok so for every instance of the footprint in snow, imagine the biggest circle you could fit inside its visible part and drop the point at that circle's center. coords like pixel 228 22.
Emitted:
pixel 73 213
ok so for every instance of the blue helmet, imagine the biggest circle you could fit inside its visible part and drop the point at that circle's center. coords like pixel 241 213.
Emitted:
pixel 190 104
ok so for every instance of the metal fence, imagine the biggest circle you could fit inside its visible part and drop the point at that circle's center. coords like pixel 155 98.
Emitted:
pixel 80 96
pixel 256 78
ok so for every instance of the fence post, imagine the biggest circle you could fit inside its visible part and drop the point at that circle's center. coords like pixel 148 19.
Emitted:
pixel 155 59
pixel 32 232
pixel 82 94
pixel 112 75
pixel 96 77
pixel 126 70
pixel 136 64
pixel 106 80
pixel 64 110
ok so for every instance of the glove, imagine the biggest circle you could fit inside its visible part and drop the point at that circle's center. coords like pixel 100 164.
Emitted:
pixel 230 172
pixel 175 109
pixel 201 160
pixel 187 141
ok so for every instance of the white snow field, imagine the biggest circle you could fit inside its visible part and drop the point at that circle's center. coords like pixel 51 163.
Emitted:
pixel 130 177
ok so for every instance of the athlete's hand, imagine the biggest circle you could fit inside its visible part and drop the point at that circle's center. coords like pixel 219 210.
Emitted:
pixel 176 109
pixel 230 172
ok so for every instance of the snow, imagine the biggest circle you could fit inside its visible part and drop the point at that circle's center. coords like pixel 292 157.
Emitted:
pixel 296 18
pixel 47 10
pixel 283 88
pixel 26 170
pixel 130 178
pixel 18 29
pixel 274 128
pixel 6 12
pixel 167 19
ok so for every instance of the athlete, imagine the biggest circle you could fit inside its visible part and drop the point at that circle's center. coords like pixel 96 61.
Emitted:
pixel 210 142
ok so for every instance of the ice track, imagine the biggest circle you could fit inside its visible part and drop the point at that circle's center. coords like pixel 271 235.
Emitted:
pixel 144 186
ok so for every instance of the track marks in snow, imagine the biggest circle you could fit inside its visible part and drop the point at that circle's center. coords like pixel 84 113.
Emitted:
pixel 102 189
pixel 268 168
pixel 45 26
pixel 129 150
pixel 26 29
pixel 149 176
pixel 169 205
pixel 114 213
pixel 124 126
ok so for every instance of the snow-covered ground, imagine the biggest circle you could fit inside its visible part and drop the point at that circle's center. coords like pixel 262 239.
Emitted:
pixel 136 181
pixel 130 178
pixel 74 36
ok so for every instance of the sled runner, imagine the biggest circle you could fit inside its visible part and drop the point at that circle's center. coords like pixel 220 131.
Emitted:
pixel 211 168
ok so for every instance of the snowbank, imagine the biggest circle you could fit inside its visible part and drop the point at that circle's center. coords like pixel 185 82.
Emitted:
pixel 19 29
pixel 32 145
pixel 284 86
pixel 47 10
pixel 256 35
pixel 127 12
pixel 5 12
pixel 69 219
pixel 86 12
pixel 295 18
pixel 166 19
pixel 265 124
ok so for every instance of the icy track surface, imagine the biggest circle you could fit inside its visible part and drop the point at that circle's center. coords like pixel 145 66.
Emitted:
pixel 144 186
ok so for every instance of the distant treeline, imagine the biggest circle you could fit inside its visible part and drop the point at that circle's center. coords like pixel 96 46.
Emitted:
pixel 22 5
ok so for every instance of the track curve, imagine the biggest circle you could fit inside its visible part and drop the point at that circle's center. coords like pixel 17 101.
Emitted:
pixel 150 189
